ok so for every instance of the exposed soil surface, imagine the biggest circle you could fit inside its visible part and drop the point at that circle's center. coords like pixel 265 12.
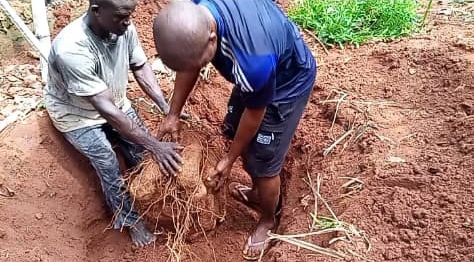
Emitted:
pixel 415 159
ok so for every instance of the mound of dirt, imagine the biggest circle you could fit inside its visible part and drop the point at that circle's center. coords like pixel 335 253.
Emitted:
pixel 183 205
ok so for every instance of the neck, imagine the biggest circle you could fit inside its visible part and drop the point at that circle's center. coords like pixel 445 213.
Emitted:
pixel 96 28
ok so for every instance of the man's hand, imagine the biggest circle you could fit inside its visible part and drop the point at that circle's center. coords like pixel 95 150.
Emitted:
pixel 165 154
pixel 170 125
pixel 218 176
pixel 248 126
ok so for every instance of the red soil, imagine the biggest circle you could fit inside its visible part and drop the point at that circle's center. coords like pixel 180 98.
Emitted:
pixel 418 210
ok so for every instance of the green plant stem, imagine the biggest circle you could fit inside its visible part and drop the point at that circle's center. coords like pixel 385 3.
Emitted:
pixel 428 9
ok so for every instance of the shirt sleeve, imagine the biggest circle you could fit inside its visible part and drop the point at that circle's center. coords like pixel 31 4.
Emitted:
pixel 137 55
pixel 262 97
pixel 257 79
pixel 79 74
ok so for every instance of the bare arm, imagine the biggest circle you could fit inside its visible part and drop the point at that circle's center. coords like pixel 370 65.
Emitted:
pixel 248 127
pixel 184 84
pixel 147 82
pixel 164 153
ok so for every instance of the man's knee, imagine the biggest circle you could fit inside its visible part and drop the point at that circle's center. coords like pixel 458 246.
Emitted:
pixel 93 143
pixel 105 162
pixel 103 157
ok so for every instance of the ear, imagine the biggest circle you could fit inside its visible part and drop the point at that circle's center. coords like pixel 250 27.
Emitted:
pixel 213 37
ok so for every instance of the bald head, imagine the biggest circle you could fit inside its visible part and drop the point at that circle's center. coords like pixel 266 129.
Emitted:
pixel 184 35
pixel 111 2
pixel 110 16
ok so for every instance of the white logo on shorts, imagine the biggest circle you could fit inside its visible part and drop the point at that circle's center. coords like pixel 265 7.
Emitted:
pixel 264 139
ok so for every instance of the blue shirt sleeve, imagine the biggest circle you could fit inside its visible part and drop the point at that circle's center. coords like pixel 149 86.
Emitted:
pixel 261 97
pixel 257 79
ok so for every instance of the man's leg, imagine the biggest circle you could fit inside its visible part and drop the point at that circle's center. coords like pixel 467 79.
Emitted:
pixel 268 193
pixel 92 142
pixel 264 161
pixel 234 113
pixel 134 154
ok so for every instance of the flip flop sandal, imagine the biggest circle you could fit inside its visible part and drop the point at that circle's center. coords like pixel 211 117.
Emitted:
pixel 279 209
pixel 266 246
pixel 6 191
pixel 242 189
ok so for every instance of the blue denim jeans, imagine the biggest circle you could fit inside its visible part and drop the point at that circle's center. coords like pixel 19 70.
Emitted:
pixel 93 142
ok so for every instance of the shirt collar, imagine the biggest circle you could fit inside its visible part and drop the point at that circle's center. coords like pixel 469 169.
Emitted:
pixel 217 16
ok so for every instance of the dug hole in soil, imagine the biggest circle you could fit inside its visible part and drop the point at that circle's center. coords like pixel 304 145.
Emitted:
pixel 410 100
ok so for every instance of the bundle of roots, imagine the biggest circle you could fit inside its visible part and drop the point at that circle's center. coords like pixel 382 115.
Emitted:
pixel 183 205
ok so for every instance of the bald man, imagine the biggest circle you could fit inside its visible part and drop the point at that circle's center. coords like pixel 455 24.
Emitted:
pixel 253 45
pixel 86 100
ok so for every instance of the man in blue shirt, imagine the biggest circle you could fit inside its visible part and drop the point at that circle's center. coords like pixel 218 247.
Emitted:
pixel 257 48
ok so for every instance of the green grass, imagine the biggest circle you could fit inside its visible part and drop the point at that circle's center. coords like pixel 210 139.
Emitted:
pixel 356 21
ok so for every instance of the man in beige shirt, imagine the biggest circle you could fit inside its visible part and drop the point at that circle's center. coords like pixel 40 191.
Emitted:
pixel 86 100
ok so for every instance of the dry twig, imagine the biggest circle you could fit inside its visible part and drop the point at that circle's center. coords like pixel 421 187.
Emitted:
pixel 318 40
pixel 328 225
pixel 307 245
pixel 333 145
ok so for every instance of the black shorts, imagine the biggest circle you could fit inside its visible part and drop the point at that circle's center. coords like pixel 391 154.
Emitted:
pixel 266 153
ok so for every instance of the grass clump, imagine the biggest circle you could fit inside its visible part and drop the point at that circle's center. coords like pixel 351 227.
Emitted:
pixel 356 21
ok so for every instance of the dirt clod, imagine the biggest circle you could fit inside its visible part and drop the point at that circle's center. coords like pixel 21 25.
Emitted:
pixel 39 216
pixel 434 170
pixel 468 107
pixel 419 213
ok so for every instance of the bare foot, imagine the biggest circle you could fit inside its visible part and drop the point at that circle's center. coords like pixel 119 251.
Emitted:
pixel 140 235
pixel 257 243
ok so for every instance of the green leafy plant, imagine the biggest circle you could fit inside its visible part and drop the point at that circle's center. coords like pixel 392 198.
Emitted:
pixel 356 21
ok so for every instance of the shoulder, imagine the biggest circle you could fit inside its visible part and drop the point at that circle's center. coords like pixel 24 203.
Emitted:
pixel 131 36
pixel 254 26
pixel 73 32
pixel 257 11
pixel 72 56
pixel 71 40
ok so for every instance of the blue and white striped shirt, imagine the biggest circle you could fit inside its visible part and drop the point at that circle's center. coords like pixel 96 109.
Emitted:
pixel 261 51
